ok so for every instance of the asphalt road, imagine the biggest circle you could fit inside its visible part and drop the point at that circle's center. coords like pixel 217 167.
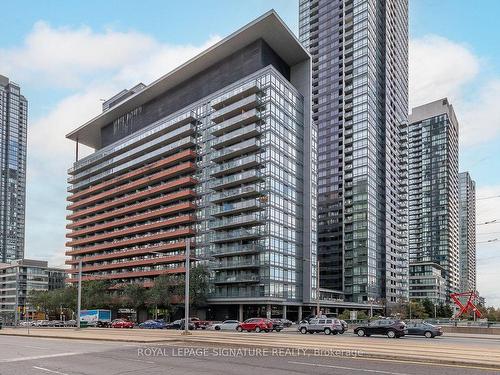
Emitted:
pixel 22 355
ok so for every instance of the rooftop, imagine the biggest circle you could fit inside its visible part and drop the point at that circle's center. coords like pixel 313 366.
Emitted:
pixel 268 27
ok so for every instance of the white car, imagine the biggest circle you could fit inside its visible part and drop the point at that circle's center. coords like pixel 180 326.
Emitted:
pixel 227 325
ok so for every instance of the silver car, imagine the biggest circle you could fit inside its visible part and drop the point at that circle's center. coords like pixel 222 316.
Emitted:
pixel 327 325
pixel 227 325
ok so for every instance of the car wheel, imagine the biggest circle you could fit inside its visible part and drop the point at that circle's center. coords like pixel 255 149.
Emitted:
pixel 360 333
pixel 217 328
pixel 303 330
pixel 391 334
pixel 311 332
pixel 257 329
pixel 278 330
pixel 239 329
pixel 429 335
pixel 327 331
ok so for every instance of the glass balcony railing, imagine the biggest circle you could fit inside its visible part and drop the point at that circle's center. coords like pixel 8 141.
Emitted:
pixel 236 221
pixel 241 148
pixel 237 107
pixel 237 235
pixel 252 130
pixel 231 208
pixel 235 95
pixel 246 191
pixel 236 179
pixel 227 250
pixel 233 123
pixel 240 278
pixel 250 263
pixel 235 165
pixel 157 128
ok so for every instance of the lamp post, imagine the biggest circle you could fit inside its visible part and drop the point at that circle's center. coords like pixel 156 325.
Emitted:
pixel 317 293
pixel 79 302
pixel 186 291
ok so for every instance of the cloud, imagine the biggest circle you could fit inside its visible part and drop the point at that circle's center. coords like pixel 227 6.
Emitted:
pixel 441 68
pixel 87 65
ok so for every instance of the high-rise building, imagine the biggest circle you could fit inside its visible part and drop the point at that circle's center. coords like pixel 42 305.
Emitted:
pixel 18 279
pixel 13 128
pixel 359 53
pixel 467 228
pixel 433 200
pixel 221 152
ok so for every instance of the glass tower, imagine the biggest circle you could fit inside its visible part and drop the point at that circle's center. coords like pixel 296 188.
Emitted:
pixel 433 194
pixel 13 127
pixel 359 51
pixel 467 225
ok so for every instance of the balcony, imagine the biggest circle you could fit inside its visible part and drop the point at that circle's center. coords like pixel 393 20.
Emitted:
pixel 228 250
pixel 236 179
pixel 248 263
pixel 241 278
pixel 238 207
pixel 238 221
pixel 241 134
pixel 235 165
pixel 237 235
pixel 243 192
pixel 238 149
pixel 236 122
pixel 235 95
pixel 233 109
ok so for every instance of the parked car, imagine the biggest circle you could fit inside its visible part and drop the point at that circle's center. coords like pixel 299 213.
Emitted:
pixel 316 325
pixel 70 323
pixel 199 324
pixel 191 325
pixel 424 329
pixel 226 325
pixel 56 323
pixel 345 326
pixel 255 324
pixel 176 324
pixel 121 323
pixel 389 327
pixel 286 323
pixel 152 324
pixel 277 325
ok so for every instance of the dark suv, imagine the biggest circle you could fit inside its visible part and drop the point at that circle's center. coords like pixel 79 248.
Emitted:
pixel 388 327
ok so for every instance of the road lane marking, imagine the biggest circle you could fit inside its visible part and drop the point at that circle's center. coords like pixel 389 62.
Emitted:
pixel 348 368
pixel 48 370
pixel 39 357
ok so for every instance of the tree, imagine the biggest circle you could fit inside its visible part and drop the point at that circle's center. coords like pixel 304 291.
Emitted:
pixel 96 294
pixel 161 293
pixel 428 307
pixel 417 310
pixel 134 295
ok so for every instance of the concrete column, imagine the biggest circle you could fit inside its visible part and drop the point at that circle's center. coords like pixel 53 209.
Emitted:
pixel 300 313
pixel 240 312
pixel 268 311
pixel 284 311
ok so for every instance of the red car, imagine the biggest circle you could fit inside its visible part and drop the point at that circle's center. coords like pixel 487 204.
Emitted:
pixel 121 323
pixel 255 324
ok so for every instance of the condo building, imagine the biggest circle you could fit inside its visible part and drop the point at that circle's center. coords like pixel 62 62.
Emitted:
pixel 467 229
pixel 13 129
pixel 219 152
pixel 433 201
pixel 18 279
pixel 359 51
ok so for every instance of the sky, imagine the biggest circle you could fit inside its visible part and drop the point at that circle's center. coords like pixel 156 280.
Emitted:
pixel 67 55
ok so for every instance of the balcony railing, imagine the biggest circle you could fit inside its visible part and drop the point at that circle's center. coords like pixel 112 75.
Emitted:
pixel 227 250
pixel 232 208
pixel 237 107
pixel 242 278
pixel 233 123
pixel 237 235
pixel 236 221
pixel 246 191
pixel 235 95
pixel 235 165
pixel 236 179
pixel 252 130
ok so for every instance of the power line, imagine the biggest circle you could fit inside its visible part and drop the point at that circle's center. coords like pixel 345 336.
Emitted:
pixel 493 196
pixel 489 222
pixel 488 241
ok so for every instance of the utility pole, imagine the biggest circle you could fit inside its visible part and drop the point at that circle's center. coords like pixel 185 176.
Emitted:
pixel 186 293
pixel 435 311
pixel 79 302
pixel 16 312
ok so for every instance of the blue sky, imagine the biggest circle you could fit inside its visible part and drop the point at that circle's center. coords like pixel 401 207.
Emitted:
pixel 69 54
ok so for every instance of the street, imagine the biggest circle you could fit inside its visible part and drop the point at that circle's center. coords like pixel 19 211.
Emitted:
pixel 30 355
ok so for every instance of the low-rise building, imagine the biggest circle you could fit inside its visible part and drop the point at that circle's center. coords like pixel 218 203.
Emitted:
pixel 18 279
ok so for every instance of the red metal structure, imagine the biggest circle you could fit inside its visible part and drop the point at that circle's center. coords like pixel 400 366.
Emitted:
pixel 469 305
